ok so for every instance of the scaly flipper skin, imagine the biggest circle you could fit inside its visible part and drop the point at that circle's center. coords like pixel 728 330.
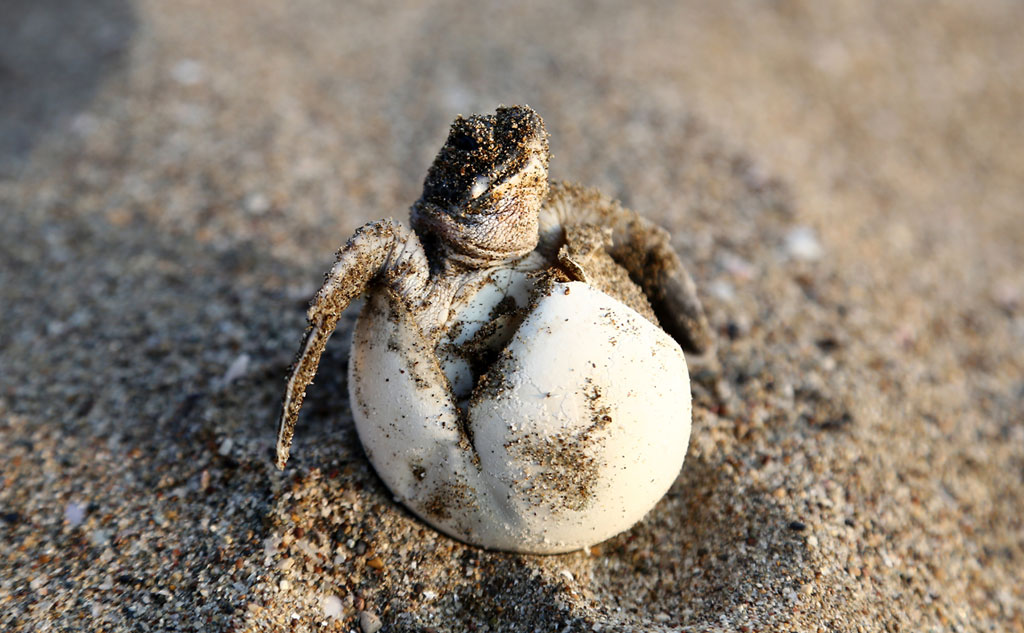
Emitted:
pixel 643 249
pixel 374 254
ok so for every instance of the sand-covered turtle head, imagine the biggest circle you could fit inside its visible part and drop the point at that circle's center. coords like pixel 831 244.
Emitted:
pixel 482 195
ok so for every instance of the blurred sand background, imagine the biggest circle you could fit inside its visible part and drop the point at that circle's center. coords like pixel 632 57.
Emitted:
pixel 843 179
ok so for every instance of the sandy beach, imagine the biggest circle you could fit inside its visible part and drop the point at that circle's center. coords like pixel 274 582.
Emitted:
pixel 844 182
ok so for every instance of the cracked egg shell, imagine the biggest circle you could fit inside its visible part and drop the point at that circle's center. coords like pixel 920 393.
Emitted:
pixel 574 433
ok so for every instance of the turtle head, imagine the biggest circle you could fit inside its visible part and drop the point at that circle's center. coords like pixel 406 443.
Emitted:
pixel 483 193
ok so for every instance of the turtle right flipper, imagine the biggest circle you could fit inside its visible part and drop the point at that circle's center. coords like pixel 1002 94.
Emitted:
pixel 366 257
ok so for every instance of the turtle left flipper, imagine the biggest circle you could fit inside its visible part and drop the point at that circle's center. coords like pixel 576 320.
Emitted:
pixel 643 249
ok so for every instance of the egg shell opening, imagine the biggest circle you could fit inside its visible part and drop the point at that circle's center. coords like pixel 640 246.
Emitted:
pixel 576 432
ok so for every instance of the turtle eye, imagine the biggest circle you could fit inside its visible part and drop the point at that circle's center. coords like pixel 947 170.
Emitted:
pixel 464 141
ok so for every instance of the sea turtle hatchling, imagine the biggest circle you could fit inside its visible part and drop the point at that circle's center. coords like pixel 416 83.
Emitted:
pixel 508 376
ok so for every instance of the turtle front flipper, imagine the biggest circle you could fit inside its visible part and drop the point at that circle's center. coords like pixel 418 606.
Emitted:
pixel 370 255
pixel 671 291
pixel 642 248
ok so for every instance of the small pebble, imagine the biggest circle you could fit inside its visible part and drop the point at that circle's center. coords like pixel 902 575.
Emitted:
pixel 188 72
pixel 736 266
pixel 797 526
pixel 238 368
pixel 333 607
pixel 802 243
pixel 369 622
pixel 74 514
pixel 722 290
pixel 256 203
pixel 99 538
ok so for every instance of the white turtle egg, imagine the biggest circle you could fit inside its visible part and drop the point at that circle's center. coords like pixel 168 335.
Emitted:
pixel 576 429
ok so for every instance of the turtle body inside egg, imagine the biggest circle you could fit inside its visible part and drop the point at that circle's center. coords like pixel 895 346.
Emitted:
pixel 576 428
